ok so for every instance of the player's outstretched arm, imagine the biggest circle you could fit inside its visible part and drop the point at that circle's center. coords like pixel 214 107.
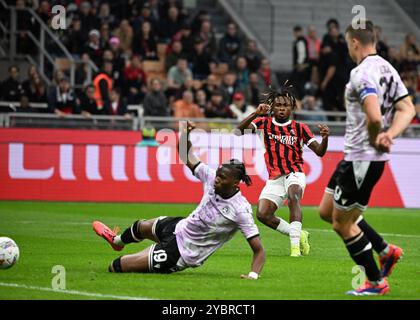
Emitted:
pixel 185 150
pixel 321 148
pixel 258 258
pixel 263 109
pixel 402 119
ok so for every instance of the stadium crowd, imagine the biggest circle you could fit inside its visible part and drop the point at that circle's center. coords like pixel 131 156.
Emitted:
pixel 167 58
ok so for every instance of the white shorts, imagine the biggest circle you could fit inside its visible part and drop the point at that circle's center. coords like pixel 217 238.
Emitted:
pixel 276 190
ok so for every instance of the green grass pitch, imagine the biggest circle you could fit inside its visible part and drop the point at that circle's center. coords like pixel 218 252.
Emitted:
pixel 50 234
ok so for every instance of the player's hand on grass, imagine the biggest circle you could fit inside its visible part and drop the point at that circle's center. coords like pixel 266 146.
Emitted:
pixel 383 142
pixel 324 130
pixel 262 109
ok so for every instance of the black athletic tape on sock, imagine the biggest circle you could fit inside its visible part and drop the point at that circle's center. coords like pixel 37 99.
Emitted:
pixel 132 233
pixel 360 250
pixel 378 243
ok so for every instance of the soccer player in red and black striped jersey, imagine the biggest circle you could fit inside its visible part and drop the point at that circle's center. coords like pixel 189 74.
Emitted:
pixel 284 139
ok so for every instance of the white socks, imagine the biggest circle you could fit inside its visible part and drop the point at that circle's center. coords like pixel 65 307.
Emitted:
pixel 283 227
pixel 117 240
pixel 295 229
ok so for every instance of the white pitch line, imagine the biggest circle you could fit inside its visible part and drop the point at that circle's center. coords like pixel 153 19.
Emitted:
pixel 384 234
pixel 73 292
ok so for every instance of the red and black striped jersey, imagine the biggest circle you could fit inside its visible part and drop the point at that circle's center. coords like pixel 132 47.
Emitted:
pixel 283 144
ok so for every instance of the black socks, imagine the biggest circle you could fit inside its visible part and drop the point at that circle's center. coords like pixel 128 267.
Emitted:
pixel 378 243
pixel 132 234
pixel 360 250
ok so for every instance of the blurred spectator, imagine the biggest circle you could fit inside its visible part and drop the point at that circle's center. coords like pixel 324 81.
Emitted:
pixel 125 33
pixel 88 105
pixel 300 74
pixel 25 106
pixel 62 100
pixel 23 24
pixel 93 47
pixel 314 51
pixel 179 74
pixel 381 46
pixel 135 80
pixel 217 108
pixel 117 105
pixel 410 45
pixel 76 37
pixel 103 84
pixel 105 16
pixel 253 56
pixel 229 86
pixel 254 89
pixel 186 38
pixel 145 15
pixel 211 84
pixel 310 102
pixel 145 43
pixel 174 55
pixel 266 73
pixel 44 11
pixel 186 108
pixel 34 88
pixel 201 60
pixel 11 88
pixel 230 45
pixel 207 34
pixel 104 36
pixel 119 57
pixel 171 25
pixel 336 41
pixel 242 73
pixel 328 64
pixel 201 16
pixel 410 63
pixel 394 58
pixel 88 20
pixel 82 71
pixel 155 103
pixel 201 100
pixel 314 46
pixel 239 108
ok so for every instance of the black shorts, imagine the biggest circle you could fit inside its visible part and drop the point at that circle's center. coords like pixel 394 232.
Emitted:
pixel 164 256
pixel 352 183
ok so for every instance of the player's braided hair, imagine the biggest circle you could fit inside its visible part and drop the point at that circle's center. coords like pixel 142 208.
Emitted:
pixel 239 170
pixel 286 91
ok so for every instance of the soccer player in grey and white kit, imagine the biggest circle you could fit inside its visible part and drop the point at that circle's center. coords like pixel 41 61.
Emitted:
pixel 188 242
pixel 378 110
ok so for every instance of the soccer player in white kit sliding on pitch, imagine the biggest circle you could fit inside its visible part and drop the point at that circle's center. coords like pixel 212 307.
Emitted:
pixel 378 110
pixel 188 242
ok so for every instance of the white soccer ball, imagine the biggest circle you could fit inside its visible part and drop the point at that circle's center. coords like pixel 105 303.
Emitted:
pixel 9 253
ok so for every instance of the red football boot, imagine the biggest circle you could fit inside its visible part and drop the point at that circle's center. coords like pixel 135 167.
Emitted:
pixel 106 233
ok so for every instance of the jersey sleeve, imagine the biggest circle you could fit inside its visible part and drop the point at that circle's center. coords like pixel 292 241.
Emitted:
pixel 247 224
pixel 307 135
pixel 364 85
pixel 204 173
pixel 258 123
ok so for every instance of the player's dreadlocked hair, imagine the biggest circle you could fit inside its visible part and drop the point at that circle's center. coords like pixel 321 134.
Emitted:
pixel 239 170
pixel 286 91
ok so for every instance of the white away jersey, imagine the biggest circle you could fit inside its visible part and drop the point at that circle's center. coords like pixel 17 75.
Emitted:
pixel 213 222
pixel 373 76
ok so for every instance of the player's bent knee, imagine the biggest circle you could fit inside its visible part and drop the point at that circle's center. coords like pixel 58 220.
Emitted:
pixel 325 215
pixel 264 214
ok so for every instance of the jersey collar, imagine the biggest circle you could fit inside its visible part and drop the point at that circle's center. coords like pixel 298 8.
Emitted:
pixel 281 124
